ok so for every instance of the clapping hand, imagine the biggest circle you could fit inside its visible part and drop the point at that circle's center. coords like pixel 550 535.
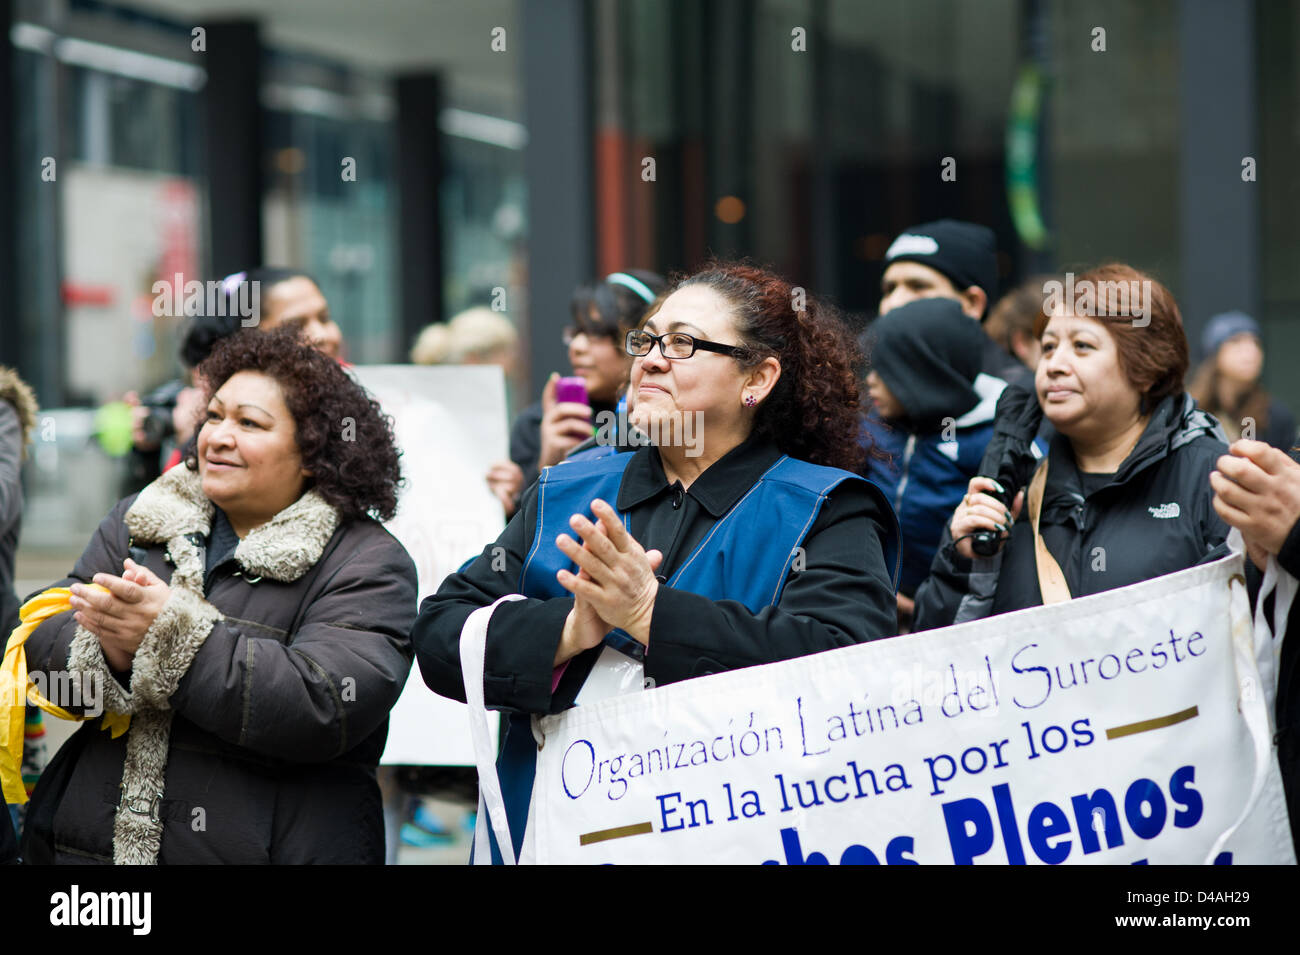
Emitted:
pixel 122 613
pixel 615 586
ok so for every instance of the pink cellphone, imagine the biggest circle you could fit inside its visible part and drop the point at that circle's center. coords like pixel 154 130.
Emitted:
pixel 571 388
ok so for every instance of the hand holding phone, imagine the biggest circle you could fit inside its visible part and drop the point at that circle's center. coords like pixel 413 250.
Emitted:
pixel 572 390
pixel 566 423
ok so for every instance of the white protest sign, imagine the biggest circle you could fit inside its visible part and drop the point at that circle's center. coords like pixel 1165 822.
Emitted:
pixel 1125 727
pixel 450 425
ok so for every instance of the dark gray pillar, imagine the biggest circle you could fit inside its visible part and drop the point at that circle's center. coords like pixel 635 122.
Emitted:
pixel 729 29
pixel 824 208
pixel 232 120
pixel 419 174
pixel 557 111
pixel 1219 213
pixel 11 329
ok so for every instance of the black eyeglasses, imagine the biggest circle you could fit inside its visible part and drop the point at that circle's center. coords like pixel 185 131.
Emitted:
pixel 675 345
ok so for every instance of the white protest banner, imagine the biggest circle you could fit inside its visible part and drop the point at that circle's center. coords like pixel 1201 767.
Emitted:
pixel 1124 727
pixel 450 425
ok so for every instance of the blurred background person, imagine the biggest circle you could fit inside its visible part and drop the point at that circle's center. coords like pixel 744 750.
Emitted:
pixel 543 433
pixel 18 410
pixel 1227 383
pixel 935 417
pixel 433 345
pixel 1011 321
pixel 476 336
pixel 955 260
pixel 291 298
pixel 1122 495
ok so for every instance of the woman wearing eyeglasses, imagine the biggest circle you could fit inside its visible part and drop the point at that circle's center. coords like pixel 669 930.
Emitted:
pixel 741 537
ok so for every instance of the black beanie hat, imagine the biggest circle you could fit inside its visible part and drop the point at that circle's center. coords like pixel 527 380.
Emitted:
pixel 965 253
pixel 928 354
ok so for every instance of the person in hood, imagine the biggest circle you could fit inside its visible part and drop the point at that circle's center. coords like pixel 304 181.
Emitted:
pixel 1122 495
pixel 1227 384
pixel 953 260
pixel 935 411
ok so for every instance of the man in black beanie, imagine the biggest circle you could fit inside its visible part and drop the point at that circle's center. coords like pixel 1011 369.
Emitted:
pixel 956 260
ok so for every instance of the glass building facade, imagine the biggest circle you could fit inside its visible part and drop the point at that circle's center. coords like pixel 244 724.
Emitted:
pixel 801 133
pixel 109 110
pixel 807 133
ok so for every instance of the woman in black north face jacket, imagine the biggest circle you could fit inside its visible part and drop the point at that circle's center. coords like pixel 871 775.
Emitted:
pixel 1126 495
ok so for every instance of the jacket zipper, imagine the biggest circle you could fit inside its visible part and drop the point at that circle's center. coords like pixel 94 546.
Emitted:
pixel 902 481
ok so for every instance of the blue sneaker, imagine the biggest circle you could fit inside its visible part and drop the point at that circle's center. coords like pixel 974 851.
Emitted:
pixel 428 821
pixel 412 835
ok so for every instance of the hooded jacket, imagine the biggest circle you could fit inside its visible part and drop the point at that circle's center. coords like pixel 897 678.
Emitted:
pixel 928 353
pixel 17 418
pixel 1153 517
pixel 259 698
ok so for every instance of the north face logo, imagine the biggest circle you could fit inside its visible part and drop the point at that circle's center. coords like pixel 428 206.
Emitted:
pixel 1165 510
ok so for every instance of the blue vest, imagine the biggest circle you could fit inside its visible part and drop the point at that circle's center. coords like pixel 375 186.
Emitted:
pixel 747 557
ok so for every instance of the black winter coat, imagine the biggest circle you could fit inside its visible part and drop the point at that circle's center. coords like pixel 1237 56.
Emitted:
pixel 843 597
pixel 282 714
pixel 1154 517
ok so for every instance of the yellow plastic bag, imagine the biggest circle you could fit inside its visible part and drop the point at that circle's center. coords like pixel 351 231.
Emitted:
pixel 17 690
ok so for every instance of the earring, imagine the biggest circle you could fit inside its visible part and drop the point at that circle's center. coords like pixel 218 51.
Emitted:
pixel 750 401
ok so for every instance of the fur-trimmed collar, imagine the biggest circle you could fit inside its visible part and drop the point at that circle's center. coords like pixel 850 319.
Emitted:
pixel 283 549
pixel 17 392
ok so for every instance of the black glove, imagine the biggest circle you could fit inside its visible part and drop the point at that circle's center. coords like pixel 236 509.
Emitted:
pixel 1009 458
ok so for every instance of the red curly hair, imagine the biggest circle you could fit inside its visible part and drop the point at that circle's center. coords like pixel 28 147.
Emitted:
pixel 812 413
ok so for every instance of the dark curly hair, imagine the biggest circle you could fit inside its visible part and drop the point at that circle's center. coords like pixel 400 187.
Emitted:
pixel 813 412
pixel 354 467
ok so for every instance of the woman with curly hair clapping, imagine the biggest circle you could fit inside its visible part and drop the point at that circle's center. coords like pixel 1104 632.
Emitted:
pixel 251 618
pixel 738 537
